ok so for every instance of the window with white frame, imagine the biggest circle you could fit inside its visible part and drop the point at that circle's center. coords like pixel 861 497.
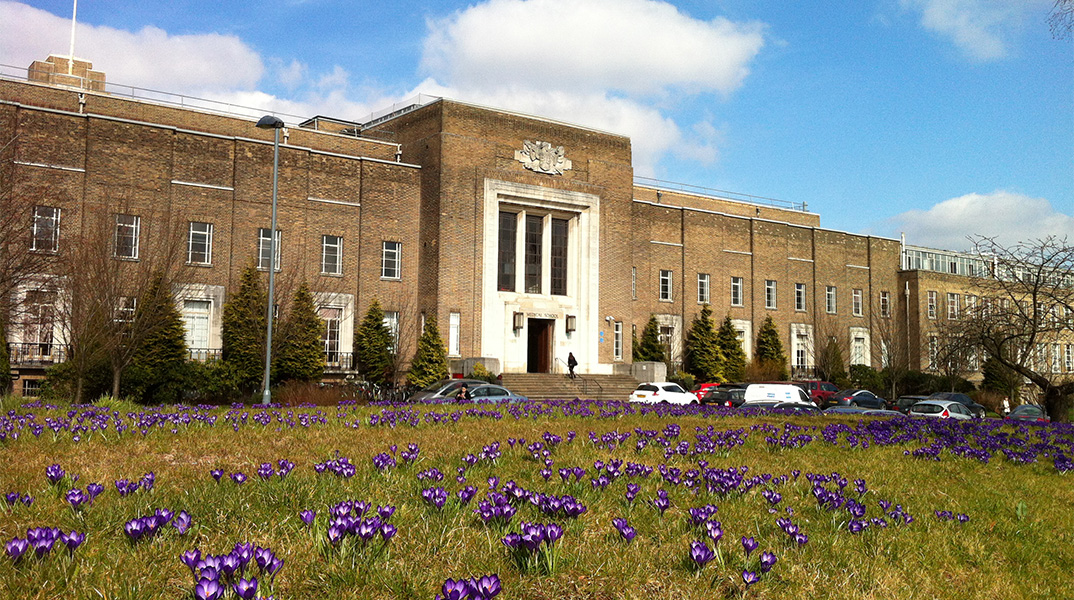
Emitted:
pixel 885 304
pixel 856 302
pixel 391 260
pixel 196 315
pixel 391 321
pixel 331 255
pixel 953 302
pixel 934 351
pixel 199 249
pixel 126 240
pixel 830 304
pixel 333 321
pixel 125 309
pixel 634 283
pixel 799 297
pixel 930 304
pixel 770 293
pixel 1070 358
pixel 1057 357
pixel 46 229
pixel 971 305
pixel 264 249
pixel 665 285
pixel 702 288
pixel 736 291
pixel 454 329
pixel 857 350
pixel 617 341
pixel 39 321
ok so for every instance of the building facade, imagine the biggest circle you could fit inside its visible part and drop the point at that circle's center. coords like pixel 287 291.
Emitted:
pixel 526 238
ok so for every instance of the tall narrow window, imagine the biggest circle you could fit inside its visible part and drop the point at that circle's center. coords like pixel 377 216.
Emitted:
pixel 534 235
pixel 391 321
pixel 264 248
pixel 934 351
pixel 736 291
pixel 953 302
pixel 830 299
pixel 505 275
pixel 702 288
pixel 634 283
pixel 391 260
pixel 885 304
pixel 799 297
pixel 200 244
pixel 454 327
pixel 770 293
pixel 559 257
pixel 39 324
pixel 665 285
pixel 196 315
pixel 331 255
pixel 127 230
pixel 46 229
pixel 1070 358
pixel 856 302
pixel 617 341
pixel 125 309
pixel 931 304
pixel 332 317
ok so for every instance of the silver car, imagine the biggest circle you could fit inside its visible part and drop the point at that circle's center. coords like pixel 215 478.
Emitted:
pixel 940 409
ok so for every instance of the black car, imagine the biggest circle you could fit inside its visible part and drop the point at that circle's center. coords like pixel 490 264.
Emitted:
pixel 724 396
pixel 863 398
pixel 904 403
pixel 977 410
pixel 800 408
pixel 1029 412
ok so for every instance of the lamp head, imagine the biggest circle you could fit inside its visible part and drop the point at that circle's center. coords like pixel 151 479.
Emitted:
pixel 270 122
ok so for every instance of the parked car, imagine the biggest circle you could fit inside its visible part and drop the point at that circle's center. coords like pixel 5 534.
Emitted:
pixel 855 397
pixel 904 403
pixel 495 393
pixel 941 409
pixel 703 388
pixel 444 389
pixel 725 396
pixel 802 408
pixel 975 409
pixel 845 410
pixel 655 392
pixel 819 391
pixel 1029 412
pixel 775 392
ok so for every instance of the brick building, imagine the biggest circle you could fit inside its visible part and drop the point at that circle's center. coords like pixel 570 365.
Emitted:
pixel 525 237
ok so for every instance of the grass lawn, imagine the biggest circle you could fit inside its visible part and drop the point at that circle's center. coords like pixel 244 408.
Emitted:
pixel 864 492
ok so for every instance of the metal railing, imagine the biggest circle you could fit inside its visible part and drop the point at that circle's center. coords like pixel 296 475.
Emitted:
pixel 203 354
pixel 672 186
pixel 36 354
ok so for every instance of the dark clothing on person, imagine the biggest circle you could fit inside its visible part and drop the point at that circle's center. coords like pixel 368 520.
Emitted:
pixel 571 363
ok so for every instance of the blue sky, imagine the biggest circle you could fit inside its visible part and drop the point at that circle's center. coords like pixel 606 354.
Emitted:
pixel 939 119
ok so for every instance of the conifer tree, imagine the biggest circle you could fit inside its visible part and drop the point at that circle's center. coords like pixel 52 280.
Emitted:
pixel 301 352
pixel 1001 379
pixel 373 346
pixel 243 331
pixel 430 360
pixel 5 359
pixel 734 357
pixel 770 348
pixel 702 353
pixel 157 373
pixel 649 348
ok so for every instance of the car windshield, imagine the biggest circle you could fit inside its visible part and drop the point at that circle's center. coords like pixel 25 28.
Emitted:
pixel 927 409
pixel 672 388
pixel 1027 410
pixel 828 387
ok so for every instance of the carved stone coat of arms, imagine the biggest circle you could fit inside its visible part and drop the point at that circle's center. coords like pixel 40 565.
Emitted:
pixel 543 157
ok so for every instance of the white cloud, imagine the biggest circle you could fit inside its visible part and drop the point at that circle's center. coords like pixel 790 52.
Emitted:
pixel 981 29
pixel 1008 216
pixel 149 58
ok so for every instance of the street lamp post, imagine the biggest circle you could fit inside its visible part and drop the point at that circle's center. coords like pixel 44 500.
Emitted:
pixel 274 123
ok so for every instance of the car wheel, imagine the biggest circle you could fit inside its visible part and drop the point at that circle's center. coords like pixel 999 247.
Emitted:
pixel 854 404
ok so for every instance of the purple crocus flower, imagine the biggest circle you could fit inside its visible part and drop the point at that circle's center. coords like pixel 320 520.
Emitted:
pixel 749 577
pixel 76 498
pixel 768 560
pixel 628 533
pixel 54 473
pixel 72 540
pixel 714 530
pixel 485 588
pixel 135 529
pixel 387 531
pixel 552 533
pixel 749 544
pixel 455 590
pixel 386 511
pixel 217 474
pixel 16 548
pixel 239 478
pixel 182 522
pixel 11 497
pixel 94 490
pixel 208 589
pixel 307 516
pixel 245 588
pixel 191 558
pixel 700 553
pixel 263 557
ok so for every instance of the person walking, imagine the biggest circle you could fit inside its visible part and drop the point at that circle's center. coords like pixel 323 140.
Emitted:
pixel 571 363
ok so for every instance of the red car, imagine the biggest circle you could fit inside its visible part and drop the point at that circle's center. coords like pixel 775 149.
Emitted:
pixel 819 391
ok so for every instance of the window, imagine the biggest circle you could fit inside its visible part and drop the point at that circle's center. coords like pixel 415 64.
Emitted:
pixel 331 255
pixel 125 309
pixel 1056 357
pixel 665 285
pixel 332 317
pixel 534 235
pixel 617 342
pixel 264 246
pixel 39 323
pixel 126 242
pixel 505 273
pixel 391 260
pixel 799 297
pixel 702 288
pixel 31 388
pixel 196 320
pixel 454 325
pixel 857 350
pixel 952 306
pixel 830 299
pixel 856 302
pixel 199 249
pixel 559 257
pixel 46 229
pixel 1070 358
pixel 931 304
pixel 971 305
pixel 391 321
pixel 634 283
pixel 736 291
pixel 934 351
pixel 770 293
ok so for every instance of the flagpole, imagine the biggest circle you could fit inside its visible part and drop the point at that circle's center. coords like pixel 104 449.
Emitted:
pixel 71 61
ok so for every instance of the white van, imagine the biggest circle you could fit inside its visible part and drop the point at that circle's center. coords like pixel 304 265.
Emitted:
pixel 775 392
